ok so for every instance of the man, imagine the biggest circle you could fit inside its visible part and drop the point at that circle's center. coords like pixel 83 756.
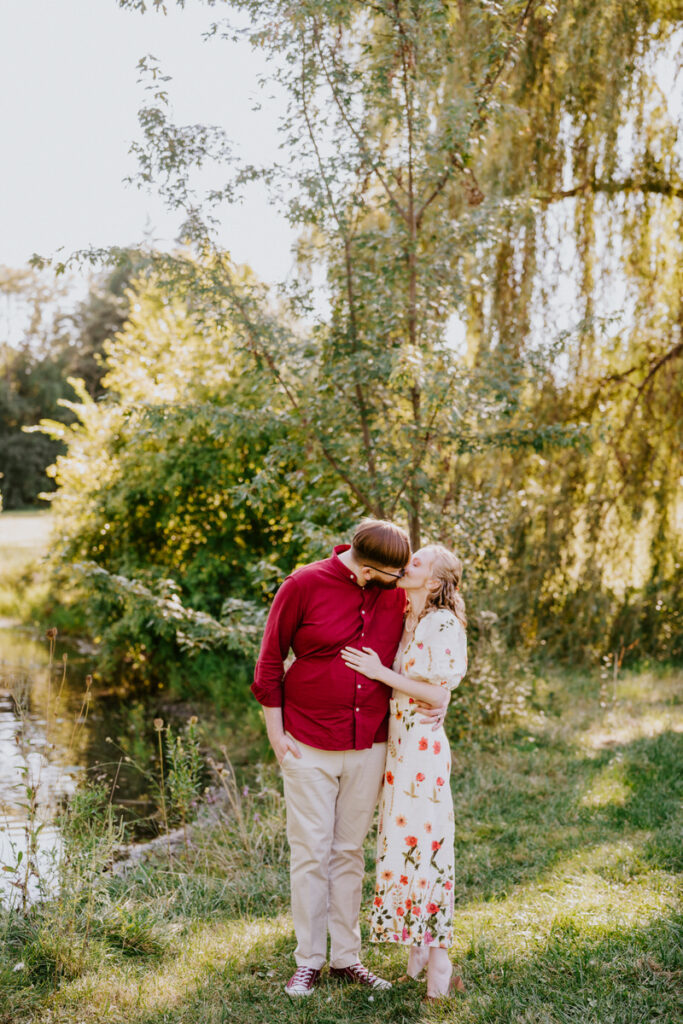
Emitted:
pixel 328 728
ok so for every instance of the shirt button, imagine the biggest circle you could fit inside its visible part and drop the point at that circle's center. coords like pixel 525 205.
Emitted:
pixel 362 613
pixel 359 686
pixel 357 709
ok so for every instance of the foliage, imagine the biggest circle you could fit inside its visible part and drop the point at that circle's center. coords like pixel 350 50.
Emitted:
pixel 445 161
pixel 181 505
pixel 55 342
pixel 450 161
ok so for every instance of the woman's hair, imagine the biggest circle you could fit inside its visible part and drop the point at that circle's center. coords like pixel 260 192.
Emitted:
pixel 447 571
pixel 379 542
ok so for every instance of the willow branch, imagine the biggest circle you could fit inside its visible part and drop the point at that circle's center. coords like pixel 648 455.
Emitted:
pixel 595 185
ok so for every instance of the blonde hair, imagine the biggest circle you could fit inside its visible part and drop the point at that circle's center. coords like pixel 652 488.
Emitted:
pixel 447 571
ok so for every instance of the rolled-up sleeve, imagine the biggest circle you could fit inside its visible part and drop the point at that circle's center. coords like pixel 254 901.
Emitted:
pixel 282 622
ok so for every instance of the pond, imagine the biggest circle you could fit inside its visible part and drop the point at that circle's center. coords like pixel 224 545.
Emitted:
pixel 56 728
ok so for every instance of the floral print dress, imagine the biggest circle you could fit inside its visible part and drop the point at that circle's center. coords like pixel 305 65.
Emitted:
pixel 414 894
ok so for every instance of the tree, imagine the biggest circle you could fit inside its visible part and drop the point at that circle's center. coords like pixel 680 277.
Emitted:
pixel 431 145
pixel 179 498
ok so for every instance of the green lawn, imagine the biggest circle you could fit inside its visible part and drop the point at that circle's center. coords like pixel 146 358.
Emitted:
pixel 24 540
pixel 568 911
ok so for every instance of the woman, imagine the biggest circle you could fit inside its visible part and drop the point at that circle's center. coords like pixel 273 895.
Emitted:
pixel 414 897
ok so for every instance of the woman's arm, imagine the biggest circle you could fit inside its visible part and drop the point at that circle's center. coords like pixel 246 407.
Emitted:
pixel 368 664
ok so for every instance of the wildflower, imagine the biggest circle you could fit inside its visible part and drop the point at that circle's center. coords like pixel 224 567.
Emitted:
pixel 436 845
pixel 432 908
pixel 245 791
pixel 50 634
pixel 411 841
pixel 20 966
pixel 193 720
pixel 158 724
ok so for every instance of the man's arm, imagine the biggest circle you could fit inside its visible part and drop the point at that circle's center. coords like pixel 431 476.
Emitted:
pixel 283 618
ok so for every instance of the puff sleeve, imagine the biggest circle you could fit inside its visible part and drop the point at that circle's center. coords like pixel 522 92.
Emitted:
pixel 438 653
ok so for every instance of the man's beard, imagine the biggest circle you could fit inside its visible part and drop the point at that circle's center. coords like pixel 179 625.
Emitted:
pixel 381 585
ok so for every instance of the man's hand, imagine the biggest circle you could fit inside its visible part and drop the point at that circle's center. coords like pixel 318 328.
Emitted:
pixel 284 743
pixel 433 716
pixel 280 741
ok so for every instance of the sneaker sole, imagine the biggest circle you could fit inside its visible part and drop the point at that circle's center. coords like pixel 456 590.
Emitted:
pixel 298 993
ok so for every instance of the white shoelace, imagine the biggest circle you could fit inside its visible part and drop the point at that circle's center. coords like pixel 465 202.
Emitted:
pixel 302 976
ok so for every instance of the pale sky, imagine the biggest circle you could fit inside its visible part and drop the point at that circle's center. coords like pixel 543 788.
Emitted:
pixel 68 112
pixel 69 98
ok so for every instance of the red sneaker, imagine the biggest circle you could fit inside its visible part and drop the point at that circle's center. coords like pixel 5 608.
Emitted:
pixel 302 982
pixel 360 975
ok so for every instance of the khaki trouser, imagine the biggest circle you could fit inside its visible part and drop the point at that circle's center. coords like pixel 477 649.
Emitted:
pixel 330 797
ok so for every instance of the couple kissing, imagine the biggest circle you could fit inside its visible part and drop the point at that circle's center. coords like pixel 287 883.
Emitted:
pixel 379 641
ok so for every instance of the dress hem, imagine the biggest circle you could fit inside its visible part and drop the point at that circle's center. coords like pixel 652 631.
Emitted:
pixel 403 942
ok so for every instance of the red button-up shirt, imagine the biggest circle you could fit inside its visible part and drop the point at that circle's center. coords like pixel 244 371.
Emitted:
pixel 317 611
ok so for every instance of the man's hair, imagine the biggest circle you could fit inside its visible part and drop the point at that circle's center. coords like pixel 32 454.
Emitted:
pixel 378 542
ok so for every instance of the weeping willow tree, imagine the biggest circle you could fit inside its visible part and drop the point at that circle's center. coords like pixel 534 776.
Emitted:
pixel 494 193
pixel 589 259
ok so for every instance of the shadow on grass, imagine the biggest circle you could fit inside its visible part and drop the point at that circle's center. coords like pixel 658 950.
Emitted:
pixel 607 976
pixel 529 813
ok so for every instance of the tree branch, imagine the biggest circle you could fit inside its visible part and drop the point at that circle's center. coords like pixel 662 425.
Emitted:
pixel 374 164
pixel 596 185
pixel 262 352
pixel 348 268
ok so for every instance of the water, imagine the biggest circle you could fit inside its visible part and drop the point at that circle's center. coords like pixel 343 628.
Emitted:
pixel 53 733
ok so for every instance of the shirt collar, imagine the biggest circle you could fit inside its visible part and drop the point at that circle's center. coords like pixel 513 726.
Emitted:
pixel 338 566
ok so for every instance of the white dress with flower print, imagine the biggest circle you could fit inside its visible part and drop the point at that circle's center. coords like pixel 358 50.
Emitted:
pixel 414 894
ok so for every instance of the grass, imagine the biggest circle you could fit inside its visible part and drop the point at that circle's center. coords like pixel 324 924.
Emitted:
pixel 24 540
pixel 568 911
